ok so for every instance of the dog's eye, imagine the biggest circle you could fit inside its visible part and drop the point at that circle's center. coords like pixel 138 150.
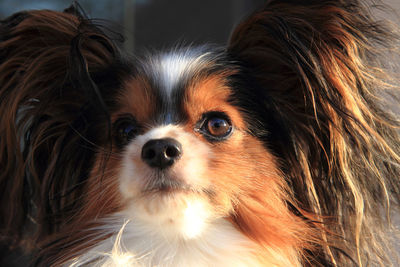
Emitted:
pixel 218 126
pixel 125 129
pixel 215 126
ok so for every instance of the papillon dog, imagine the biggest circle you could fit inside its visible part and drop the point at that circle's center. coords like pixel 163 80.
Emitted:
pixel 275 150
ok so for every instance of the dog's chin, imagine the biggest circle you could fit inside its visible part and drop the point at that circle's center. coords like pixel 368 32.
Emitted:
pixel 166 184
pixel 168 193
pixel 171 206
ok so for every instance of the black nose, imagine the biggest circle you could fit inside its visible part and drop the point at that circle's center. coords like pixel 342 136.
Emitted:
pixel 161 153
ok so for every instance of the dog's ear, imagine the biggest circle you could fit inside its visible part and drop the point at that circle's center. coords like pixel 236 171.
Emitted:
pixel 76 10
pixel 50 107
pixel 317 83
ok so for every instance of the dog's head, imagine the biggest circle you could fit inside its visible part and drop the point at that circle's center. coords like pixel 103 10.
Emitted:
pixel 278 134
pixel 182 147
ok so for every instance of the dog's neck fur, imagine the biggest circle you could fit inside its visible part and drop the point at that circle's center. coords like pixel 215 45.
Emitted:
pixel 139 244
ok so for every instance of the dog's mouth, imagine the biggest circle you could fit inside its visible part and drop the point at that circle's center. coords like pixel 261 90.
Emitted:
pixel 165 183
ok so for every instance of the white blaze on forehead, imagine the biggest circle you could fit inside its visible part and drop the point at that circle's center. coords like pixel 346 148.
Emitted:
pixel 171 68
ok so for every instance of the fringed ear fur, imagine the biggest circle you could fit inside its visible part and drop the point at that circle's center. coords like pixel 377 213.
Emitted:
pixel 49 106
pixel 317 64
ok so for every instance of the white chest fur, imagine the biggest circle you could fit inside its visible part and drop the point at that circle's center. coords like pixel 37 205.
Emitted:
pixel 137 244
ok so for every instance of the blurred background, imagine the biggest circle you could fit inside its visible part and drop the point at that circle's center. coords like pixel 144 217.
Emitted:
pixel 155 24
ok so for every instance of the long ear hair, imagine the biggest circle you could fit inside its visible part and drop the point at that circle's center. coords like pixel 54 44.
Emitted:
pixel 317 64
pixel 50 113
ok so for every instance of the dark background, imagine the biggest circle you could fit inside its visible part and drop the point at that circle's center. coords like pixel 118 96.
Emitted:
pixel 155 24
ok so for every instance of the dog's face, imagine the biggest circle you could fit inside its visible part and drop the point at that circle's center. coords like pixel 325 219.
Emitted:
pixel 182 153
pixel 278 140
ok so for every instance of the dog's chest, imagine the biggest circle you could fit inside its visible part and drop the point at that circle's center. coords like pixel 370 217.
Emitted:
pixel 220 245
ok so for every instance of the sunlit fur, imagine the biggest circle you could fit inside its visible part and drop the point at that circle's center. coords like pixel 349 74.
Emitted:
pixel 308 176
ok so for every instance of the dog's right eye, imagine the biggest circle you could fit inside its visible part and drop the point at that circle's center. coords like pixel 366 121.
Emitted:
pixel 125 129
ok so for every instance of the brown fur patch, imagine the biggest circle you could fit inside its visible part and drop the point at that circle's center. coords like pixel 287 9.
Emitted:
pixel 210 94
pixel 247 185
pixel 137 98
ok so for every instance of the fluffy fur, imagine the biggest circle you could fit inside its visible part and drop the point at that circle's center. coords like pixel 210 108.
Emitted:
pixel 304 173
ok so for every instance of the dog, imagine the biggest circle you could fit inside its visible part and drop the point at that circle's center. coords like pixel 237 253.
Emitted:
pixel 275 150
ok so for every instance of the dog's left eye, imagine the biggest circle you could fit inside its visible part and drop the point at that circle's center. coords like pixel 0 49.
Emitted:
pixel 215 126
pixel 125 129
pixel 218 126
